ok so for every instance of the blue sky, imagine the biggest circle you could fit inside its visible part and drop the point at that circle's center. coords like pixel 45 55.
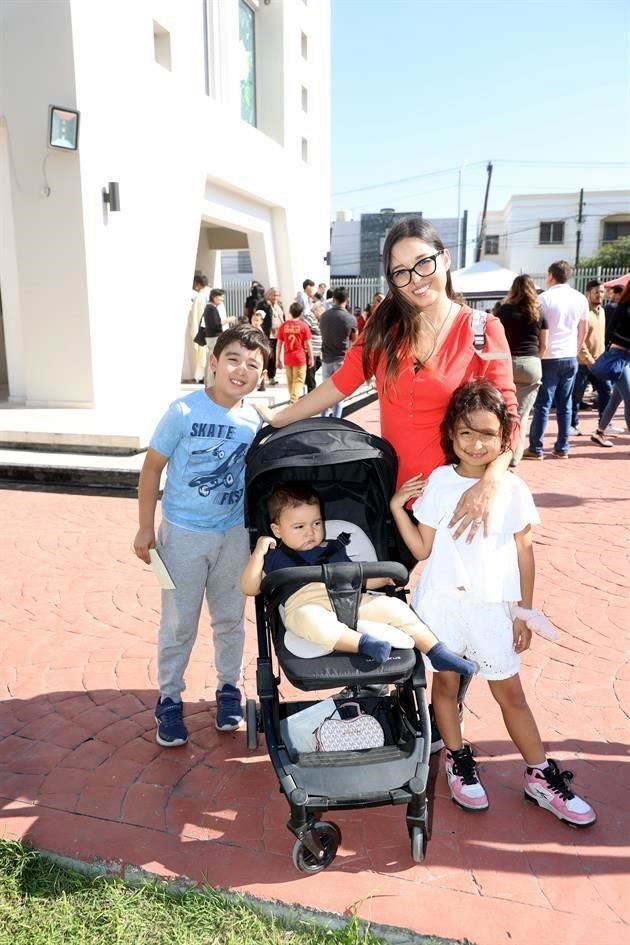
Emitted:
pixel 420 86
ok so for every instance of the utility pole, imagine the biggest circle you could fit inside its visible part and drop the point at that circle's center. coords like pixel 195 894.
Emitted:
pixel 460 245
pixel 578 235
pixel 482 227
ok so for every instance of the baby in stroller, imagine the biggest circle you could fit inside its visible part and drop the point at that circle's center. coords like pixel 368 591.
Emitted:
pixel 384 622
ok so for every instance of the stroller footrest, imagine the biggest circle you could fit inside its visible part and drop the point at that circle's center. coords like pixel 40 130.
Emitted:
pixel 339 759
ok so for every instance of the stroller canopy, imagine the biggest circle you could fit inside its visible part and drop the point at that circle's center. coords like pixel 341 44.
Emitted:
pixel 353 471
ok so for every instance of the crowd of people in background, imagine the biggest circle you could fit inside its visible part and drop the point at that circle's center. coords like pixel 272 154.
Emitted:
pixel 307 356
pixel 555 339
pixel 558 341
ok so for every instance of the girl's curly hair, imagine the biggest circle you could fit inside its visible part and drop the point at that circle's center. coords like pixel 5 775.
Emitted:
pixel 474 395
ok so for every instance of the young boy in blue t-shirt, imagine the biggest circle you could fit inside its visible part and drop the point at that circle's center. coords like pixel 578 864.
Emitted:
pixel 203 438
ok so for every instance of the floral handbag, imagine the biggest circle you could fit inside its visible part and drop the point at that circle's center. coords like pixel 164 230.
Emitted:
pixel 362 731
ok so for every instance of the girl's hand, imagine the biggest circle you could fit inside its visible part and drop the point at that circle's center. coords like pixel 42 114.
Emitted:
pixel 264 544
pixel 409 490
pixel 522 636
pixel 473 509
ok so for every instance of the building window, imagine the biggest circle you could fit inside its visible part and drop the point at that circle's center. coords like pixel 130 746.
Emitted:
pixel 552 232
pixel 243 261
pixel 304 99
pixel 614 230
pixel 162 46
pixel 304 150
pixel 304 46
pixel 491 246
pixel 247 36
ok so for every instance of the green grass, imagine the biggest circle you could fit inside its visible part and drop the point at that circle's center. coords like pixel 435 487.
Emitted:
pixel 43 903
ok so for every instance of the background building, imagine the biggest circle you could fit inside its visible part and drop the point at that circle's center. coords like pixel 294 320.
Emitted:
pixel 356 246
pixel 213 118
pixel 533 230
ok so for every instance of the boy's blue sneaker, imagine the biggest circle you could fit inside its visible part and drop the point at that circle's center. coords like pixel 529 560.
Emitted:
pixel 229 709
pixel 171 730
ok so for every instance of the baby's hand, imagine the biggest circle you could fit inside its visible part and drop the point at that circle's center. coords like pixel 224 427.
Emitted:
pixel 264 544
pixel 409 490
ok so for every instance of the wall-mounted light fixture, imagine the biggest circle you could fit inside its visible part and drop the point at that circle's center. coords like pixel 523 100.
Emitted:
pixel 111 196
pixel 63 128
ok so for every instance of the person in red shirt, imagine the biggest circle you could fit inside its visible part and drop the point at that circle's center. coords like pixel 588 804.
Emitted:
pixel 419 346
pixel 294 336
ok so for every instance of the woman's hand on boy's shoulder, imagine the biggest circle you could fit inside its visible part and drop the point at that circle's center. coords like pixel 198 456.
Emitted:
pixel 410 489
pixel 263 412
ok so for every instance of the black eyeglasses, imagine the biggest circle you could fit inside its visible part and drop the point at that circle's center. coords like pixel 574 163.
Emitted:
pixel 424 267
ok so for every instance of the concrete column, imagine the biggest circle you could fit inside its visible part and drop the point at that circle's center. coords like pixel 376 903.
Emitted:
pixel 263 257
pixel 208 260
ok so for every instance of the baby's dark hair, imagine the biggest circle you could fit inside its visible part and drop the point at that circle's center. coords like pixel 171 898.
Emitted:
pixel 288 497
pixel 474 395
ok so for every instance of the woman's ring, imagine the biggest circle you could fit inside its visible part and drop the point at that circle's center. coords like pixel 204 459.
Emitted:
pixel 477 522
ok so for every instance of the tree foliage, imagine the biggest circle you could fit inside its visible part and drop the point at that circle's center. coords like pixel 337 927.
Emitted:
pixel 612 254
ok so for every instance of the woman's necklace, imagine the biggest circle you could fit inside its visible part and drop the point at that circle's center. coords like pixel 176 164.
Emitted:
pixel 419 362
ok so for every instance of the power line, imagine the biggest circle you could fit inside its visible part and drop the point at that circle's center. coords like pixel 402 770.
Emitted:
pixel 502 161
pixel 403 180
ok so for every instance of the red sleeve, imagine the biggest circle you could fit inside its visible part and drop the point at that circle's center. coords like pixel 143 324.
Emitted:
pixel 308 334
pixel 500 372
pixel 351 375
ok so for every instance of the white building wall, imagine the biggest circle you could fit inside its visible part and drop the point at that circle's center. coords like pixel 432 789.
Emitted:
pixel 345 248
pixel 519 225
pixel 96 302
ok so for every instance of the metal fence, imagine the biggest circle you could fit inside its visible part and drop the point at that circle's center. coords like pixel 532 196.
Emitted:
pixel 236 291
pixel 361 290
pixel 582 275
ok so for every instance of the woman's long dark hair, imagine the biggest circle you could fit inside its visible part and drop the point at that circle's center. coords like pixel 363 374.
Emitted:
pixel 524 298
pixel 393 331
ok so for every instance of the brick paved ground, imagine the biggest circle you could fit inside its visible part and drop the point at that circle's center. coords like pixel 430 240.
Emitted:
pixel 80 772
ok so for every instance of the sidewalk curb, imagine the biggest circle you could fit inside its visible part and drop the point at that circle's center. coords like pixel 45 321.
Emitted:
pixel 291 916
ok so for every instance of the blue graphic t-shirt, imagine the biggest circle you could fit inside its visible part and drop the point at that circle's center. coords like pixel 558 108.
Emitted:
pixel 206 446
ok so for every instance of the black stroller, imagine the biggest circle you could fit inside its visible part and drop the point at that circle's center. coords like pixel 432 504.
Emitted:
pixel 354 472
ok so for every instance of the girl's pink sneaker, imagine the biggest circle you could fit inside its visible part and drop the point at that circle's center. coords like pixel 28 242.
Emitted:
pixel 549 788
pixel 461 773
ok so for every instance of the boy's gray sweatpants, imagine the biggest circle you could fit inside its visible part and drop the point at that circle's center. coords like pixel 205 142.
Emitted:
pixel 201 562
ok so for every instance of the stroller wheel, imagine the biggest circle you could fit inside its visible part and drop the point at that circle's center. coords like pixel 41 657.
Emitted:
pixel 329 836
pixel 417 845
pixel 251 718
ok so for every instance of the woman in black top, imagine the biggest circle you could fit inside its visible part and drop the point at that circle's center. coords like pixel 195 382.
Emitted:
pixel 619 337
pixel 527 332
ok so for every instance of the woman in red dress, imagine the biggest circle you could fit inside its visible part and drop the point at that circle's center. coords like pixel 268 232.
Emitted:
pixel 419 346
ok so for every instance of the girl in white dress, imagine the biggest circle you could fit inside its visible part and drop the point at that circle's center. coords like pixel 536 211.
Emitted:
pixel 476 594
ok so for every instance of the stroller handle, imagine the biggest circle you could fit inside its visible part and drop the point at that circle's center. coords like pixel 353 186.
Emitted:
pixel 312 573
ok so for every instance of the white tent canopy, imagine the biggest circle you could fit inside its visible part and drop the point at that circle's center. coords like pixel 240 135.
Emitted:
pixel 483 277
